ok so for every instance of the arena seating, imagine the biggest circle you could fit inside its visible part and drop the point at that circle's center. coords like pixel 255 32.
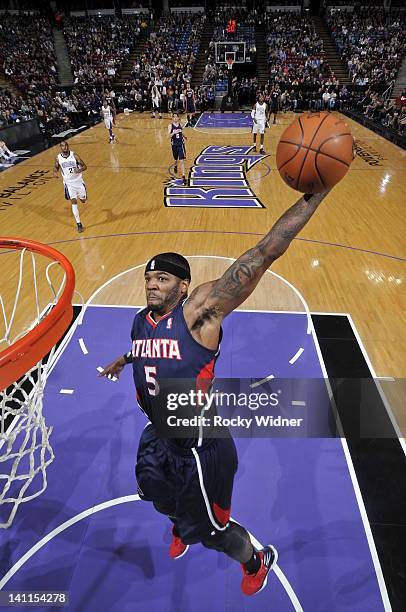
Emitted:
pixel 295 51
pixel 98 46
pixel 167 59
pixel 26 53
pixel 372 42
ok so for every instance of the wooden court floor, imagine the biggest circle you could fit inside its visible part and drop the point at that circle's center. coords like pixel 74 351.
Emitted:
pixel 350 258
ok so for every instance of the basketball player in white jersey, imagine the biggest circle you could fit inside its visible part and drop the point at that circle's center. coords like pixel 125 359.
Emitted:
pixel 71 167
pixel 108 114
pixel 156 101
pixel 259 115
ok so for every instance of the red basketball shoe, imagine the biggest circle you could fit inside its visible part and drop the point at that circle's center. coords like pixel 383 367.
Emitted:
pixel 254 583
pixel 177 548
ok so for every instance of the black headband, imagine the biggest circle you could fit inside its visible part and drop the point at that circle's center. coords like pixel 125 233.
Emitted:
pixel 172 263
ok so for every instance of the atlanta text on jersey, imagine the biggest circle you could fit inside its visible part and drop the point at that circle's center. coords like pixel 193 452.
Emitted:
pixel 156 348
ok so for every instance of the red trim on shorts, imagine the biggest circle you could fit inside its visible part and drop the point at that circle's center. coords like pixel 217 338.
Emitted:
pixel 223 516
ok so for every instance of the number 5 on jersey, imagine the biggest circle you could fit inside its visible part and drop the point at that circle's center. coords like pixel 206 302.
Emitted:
pixel 150 377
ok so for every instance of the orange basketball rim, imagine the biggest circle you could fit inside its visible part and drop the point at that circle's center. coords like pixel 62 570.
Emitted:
pixel 20 357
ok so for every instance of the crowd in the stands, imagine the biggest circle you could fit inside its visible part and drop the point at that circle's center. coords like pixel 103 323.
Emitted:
pixel 389 113
pixel 27 55
pixel 56 111
pixel 98 46
pixel 295 51
pixel 371 42
pixel 166 60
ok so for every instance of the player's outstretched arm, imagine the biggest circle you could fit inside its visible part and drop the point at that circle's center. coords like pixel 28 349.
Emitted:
pixel 215 300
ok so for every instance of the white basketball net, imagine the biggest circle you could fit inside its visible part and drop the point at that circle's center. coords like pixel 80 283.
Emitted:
pixel 25 451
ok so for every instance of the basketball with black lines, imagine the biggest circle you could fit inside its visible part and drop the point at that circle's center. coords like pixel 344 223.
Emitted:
pixel 315 152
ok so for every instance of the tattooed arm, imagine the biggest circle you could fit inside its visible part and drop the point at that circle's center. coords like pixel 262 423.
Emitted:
pixel 211 302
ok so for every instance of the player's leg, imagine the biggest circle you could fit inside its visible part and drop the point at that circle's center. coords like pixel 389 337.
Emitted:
pixel 229 537
pixel 182 157
pixel 75 212
pixel 82 193
pixel 175 154
pixel 254 135
pixel 111 135
pixel 275 112
pixel 262 136
pixel 203 512
pixel 154 484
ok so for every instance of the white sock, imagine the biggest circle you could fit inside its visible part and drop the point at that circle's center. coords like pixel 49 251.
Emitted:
pixel 75 211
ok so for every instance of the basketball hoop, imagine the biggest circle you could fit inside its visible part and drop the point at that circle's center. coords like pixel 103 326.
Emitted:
pixel 230 62
pixel 25 451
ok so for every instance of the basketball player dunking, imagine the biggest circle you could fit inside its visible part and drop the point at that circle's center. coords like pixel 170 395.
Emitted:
pixel 108 113
pixel 175 133
pixel 176 336
pixel 259 116
pixel 71 167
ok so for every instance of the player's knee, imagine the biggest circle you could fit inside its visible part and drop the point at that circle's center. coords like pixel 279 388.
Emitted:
pixel 234 541
pixel 215 541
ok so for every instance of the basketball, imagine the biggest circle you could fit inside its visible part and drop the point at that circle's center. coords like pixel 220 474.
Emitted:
pixel 315 152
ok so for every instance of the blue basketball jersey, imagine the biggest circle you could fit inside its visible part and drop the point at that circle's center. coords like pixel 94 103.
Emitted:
pixel 163 352
pixel 176 139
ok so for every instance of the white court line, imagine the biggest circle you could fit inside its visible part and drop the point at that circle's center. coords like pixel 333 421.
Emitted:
pixel 50 536
pixel 378 386
pixel 83 346
pixel 357 490
pixel 260 382
pixel 66 391
pixel 296 356
pixel 109 504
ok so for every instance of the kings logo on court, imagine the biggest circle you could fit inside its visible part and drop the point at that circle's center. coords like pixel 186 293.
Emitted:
pixel 217 179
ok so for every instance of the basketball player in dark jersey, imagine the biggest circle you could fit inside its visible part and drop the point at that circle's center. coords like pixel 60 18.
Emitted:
pixel 175 133
pixel 190 105
pixel 274 102
pixel 190 480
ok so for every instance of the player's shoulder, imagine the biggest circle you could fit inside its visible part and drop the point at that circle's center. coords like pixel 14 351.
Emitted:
pixel 139 319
